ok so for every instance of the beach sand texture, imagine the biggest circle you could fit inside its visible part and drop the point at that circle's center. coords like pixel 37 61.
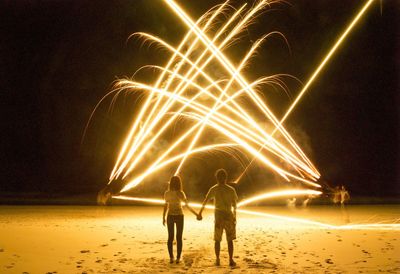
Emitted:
pixel 131 239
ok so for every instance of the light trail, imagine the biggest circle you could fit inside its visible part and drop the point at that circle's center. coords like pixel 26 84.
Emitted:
pixel 325 60
pixel 359 226
pixel 219 99
pixel 278 194
pixel 232 131
pixel 193 66
pixel 157 165
pixel 227 65
pixel 146 105
pixel 133 156
pixel 318 70
pixel 189 88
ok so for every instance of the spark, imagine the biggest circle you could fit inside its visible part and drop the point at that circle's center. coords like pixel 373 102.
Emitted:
pixel 282 193
pixel 315 74
pixel 326 59
pixel 185 70
pixel 302 221
pixel 187 88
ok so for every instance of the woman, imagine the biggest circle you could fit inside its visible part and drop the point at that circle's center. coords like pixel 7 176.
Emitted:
pixel 174 197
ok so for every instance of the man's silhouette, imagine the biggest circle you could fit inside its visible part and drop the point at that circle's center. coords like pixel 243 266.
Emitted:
pixel 225 199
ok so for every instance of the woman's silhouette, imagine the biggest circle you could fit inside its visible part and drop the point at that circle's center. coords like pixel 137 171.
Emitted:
pixel 174 197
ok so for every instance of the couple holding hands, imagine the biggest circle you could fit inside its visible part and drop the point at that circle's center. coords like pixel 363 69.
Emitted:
pixel 225 199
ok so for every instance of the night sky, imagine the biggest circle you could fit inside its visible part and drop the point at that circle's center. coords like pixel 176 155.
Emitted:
pixel 59 58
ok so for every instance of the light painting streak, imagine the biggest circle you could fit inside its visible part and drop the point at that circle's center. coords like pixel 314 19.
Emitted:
pixel 187 88
pixel 367 226
pixel 225 114
pixel 227 65
pixel 325 60
pixel 282 193
pixel 318 70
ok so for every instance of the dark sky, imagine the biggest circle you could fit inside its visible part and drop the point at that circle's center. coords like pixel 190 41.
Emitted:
pixel 58 58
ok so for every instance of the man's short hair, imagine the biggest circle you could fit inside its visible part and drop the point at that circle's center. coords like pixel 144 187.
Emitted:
pixel 221 175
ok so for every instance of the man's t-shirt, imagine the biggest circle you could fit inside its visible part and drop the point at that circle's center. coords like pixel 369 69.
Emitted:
pixel 224 197
pixel 174 199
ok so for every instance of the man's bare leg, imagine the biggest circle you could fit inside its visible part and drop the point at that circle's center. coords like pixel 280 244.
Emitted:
pixel 230 251
pixel 217 248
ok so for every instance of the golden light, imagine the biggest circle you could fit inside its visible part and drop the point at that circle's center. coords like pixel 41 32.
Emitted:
pixel 326 59
pixel 360 226
pixel 188 88
pixel 188 69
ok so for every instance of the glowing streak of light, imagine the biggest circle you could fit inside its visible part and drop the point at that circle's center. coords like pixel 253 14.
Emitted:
pixel 210 115
pixel 155 166
pixel 180 64
pixel 275 147
pixel 189 103
pixel 219 101
pixel 226 63
pixel 147 103
pixel 224 91
pixel 276 194
pixel 316 72
pixel 224 130
pixel 373 226
pixel 287 158
pixel 259 156
pixel 163 110
pixel 235 76
pixel 165 96
pixel 325 61
pixel 186 134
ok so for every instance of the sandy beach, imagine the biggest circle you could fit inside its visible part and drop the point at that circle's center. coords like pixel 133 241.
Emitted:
pixel 131 239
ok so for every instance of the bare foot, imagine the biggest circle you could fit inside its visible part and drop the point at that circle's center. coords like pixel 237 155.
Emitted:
pixel 232 263
pixel 217 262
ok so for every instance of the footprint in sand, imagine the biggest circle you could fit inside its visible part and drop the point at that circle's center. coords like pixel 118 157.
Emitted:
pixel 188 261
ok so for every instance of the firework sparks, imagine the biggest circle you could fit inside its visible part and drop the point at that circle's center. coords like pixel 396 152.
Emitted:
pixel 188 88
pixel 326 59
pixel 359 226
pixel 213 106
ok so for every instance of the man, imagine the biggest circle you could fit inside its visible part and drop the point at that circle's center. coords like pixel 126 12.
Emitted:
pixel 344 195
pixel 225 199
pixel 336 195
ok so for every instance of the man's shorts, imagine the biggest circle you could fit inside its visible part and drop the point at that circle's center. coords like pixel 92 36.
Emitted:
pixel 224 221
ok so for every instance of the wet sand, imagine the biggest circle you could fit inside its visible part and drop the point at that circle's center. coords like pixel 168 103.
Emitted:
pixel 131 239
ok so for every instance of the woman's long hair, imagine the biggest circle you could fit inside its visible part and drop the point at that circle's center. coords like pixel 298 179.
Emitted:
pixel 175 183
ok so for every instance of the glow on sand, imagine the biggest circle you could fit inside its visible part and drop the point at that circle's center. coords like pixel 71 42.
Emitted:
pixel 371 226
pixel 188 88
